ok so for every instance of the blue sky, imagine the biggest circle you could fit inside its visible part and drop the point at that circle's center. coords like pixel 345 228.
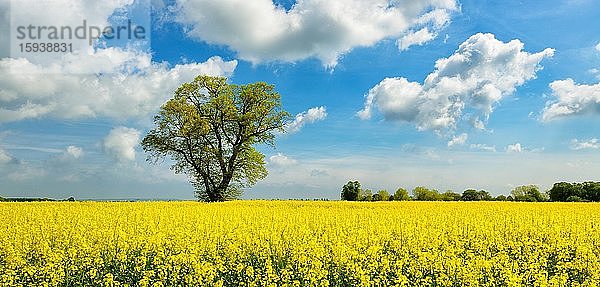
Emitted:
pixel 445 94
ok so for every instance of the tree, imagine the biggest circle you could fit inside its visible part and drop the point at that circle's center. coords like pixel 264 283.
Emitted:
pixel 574 198
pixel 425 194
pixel 561 191
pixel 365 195
pixel 450 196
pixel 501 198
pixel 209 129
pixel 351 190
pixel 381 195
pixel 470 195
pixel 474 195
pixel 401 194
pixel 527 193
pixel 484 195
pixel 591 191
pixel 564 191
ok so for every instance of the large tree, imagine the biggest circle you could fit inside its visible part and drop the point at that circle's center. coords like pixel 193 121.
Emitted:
pixel 351 191
pixel 209 129
pixel 527 193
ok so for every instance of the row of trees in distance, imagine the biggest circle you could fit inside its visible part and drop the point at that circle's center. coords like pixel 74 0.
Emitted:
pixel 32 199
pixel 562 191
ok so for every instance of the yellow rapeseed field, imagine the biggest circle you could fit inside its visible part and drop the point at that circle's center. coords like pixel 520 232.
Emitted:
pixel 292 243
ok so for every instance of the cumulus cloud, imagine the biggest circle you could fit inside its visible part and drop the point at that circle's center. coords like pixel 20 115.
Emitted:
pixel 514 148
pixel 417 38
pixel 113 82
pixel 54 13
pixel 311 116
pixel 585 144
pixel 281 160
pixel 470 82
pixel 571 100
pixel 74 152
pixel 458 140
pixel 121 142
pixel 259 31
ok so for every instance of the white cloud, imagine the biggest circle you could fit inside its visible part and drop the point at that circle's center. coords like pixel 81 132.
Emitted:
pixel 571 100
pixel 458 140
pixel 121 142
pixel 281 160
pixel 54 13
pixel 585 144
pixel 514 148
pixel 259 31
pixel 478 75
pixel 74 152
pixel 415 38
pixel 113 82
pixel 311 116
pixel 5 157
pixel 483 147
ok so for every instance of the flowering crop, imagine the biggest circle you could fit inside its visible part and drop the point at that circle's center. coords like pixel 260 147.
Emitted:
pixel 290 243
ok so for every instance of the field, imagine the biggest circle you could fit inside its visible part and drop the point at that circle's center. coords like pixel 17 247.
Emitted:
pixel 292 243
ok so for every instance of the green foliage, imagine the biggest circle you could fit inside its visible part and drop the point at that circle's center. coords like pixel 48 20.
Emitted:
pixel 26 199
pixel 424 194
pixel 574 198
pixel 564 191
pixel 209 129
pixel 529 193
pixel 351 191
pixel 474 195
pixel 381 195
pixel 591 191
pixel 450 196
pixel 401 194
pixel 561 191
pixel 365 195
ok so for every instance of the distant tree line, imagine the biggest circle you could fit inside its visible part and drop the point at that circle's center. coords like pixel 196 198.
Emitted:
pixel 562 191
pixel 32 199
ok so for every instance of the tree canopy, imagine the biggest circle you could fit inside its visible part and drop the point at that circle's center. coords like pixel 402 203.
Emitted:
pixel 527 193
pixel 351 190
pixel 474 195
pixel 209 129
pixel 401 194
pixel 586 191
